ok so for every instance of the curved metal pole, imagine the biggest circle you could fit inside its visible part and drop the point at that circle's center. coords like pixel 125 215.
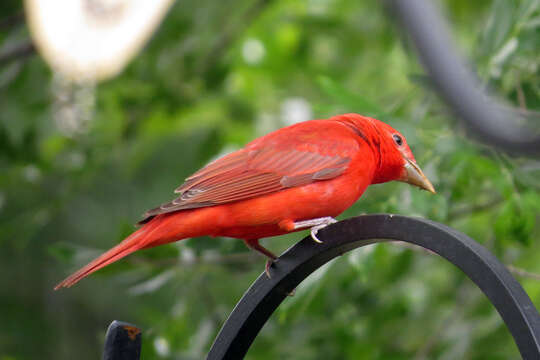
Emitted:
pixel 489 120
pixel 265 295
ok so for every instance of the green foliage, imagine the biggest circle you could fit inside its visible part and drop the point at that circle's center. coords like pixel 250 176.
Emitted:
pixel 214 76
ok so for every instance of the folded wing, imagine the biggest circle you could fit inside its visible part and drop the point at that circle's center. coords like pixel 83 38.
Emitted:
pixel 245 174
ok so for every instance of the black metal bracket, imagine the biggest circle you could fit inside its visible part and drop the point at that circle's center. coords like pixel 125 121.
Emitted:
pixel 489 119
pixel 297 263
pixel 122 342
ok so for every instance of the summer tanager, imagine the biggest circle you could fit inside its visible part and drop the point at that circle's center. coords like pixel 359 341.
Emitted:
pixel 298 177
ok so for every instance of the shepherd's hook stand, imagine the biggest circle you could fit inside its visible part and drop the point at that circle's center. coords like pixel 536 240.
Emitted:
pixel 122 342
pixel 297 263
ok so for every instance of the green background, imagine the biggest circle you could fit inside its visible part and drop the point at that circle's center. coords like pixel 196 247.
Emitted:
pixel 215 75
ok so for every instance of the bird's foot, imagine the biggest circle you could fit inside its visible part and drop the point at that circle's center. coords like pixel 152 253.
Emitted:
pixel 315 225
pixel 254 244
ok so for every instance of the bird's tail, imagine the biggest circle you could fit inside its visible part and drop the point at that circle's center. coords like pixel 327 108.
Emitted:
pixel 142 238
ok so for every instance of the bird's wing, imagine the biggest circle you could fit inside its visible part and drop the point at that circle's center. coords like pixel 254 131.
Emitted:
pixel 245 174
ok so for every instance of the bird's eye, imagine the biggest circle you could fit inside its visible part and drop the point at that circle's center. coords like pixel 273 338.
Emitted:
pixel 398 139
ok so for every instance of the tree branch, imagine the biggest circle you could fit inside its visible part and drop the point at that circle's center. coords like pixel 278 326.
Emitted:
pixel 12 20
pixel 523 273
pixel 17 52
pixel 462 211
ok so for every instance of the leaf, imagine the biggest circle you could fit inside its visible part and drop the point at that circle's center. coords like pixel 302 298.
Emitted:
pixel 354 102
pixel 498 27
pixel 422 80
pixel 515 222
pixel 525 10
pixel 62 251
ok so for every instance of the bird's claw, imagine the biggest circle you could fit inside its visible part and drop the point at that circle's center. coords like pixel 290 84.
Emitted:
pixel 315 229
pixel 315 225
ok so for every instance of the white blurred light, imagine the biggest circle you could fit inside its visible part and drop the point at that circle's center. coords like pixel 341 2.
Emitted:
pixel 92 39
pixel 295 110
pixel 31 173
pixel 502 55
pixel 253 51
pixel 73 105
pixel 201 338
pixel 162 346
pixel 152 284
pixel 188 256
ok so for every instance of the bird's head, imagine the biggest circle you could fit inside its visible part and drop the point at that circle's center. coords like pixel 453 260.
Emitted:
pixel 396 161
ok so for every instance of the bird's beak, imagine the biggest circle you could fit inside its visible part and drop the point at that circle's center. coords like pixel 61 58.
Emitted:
pixel 415 176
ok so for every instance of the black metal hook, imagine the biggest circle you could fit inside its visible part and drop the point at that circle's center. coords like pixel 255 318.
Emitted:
pixel 489 120
pixel 265 295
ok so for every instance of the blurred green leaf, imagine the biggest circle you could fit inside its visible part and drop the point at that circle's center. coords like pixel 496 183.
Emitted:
pixel 353 101
pixel 62 251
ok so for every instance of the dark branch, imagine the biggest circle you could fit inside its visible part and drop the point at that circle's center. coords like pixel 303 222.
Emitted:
pixel 21 51
pixel 12 20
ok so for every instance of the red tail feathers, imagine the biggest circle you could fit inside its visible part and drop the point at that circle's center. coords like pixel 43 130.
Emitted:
pixel 138 240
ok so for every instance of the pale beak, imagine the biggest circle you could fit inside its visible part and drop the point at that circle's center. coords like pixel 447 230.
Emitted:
pixel 416 177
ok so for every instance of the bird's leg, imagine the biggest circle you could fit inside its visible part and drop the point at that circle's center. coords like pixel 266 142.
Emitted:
pixel 315 225
pixel 254 244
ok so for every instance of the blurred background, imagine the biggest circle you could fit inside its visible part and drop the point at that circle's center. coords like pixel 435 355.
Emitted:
pixel 82 159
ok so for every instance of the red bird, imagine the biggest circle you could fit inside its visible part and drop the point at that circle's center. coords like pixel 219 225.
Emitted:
pixel 294 178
